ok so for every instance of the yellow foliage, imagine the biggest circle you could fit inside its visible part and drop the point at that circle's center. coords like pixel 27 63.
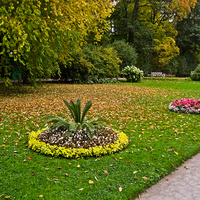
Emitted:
pixel 162 16
pixel 165 49
pixel 183 7
pixel 165 45
pixel 85 16
pixel 36 145
pixel 39 33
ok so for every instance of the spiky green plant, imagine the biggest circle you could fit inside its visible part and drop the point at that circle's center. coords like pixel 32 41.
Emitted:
pixel 80 121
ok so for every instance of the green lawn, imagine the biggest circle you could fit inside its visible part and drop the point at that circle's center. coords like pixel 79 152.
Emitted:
pixel 178 85
pixel 160 140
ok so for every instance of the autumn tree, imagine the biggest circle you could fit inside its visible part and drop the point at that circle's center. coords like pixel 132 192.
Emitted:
pixel 188 40
pixel 158 20
pixel 38 34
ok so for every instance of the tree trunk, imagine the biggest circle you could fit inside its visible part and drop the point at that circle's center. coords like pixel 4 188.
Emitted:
pixel 25 77
pixel 133 19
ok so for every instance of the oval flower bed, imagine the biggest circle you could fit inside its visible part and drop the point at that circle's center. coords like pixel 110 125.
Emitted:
pixel 185 106
pixel 37 145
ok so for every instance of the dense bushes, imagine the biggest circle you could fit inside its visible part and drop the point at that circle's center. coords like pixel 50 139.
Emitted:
pixel 92 61
pixel 126 53
pixel 75 68
pixel 186 63
pixel 195 75
pixel 104 60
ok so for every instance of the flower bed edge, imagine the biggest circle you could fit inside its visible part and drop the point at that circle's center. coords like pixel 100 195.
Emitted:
pixel 55 151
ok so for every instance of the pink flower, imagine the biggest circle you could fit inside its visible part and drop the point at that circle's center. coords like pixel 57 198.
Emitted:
pixel 187 104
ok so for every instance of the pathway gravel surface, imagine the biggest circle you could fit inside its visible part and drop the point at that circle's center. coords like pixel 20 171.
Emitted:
pixel 182 184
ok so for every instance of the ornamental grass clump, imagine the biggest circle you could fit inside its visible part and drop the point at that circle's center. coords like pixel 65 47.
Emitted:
pixel 186 106
pixel 76 136
pixel 77 123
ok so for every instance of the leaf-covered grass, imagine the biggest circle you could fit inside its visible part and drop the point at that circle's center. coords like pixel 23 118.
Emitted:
pixel 160 140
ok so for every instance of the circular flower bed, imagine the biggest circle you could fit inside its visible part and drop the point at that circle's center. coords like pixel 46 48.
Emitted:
pixel 77 144
pixel 185 106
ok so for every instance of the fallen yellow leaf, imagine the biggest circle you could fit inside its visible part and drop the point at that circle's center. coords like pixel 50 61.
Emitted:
pixel 120 188
pixel 91 182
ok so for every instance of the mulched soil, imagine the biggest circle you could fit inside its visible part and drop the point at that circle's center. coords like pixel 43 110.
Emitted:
pixel 78 139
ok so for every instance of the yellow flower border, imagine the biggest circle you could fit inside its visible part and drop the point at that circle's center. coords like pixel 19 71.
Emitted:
pixel 36 145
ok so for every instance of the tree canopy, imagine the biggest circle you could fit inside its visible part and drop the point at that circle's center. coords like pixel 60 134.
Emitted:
pixel 82 38
pixel 151 27
pixel 39 34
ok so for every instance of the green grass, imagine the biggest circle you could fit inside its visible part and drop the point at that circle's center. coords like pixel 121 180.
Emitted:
pixel 160 140
pixel 179 85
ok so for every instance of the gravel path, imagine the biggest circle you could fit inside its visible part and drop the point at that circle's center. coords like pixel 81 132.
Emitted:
pixel 182 184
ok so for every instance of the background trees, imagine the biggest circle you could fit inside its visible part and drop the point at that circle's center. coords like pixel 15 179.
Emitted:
pixel 83 38
pixel 188 41
pixel 151 27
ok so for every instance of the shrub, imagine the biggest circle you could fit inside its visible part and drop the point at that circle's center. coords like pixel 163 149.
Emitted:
pixel 105 61
pixel 76 67
pixel 195 75
pixel 126 53
pixel 186 64
pixel 171 67
pixel 109 81
pixel 132 74
pixel 168 78
pixel 92 60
